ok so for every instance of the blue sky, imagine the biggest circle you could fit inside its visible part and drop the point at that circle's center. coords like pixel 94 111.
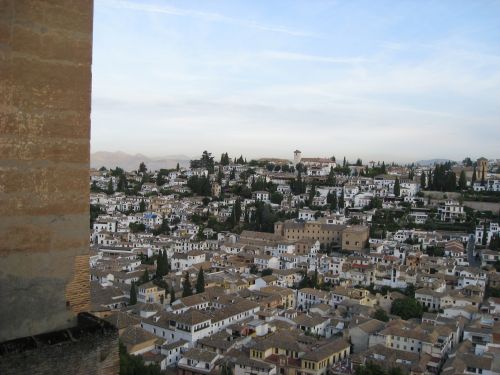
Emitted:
pixel 384 80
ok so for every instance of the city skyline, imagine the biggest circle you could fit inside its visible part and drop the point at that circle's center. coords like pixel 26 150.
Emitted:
pixel 396 82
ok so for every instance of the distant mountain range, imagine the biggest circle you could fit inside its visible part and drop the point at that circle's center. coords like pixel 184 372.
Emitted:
pixel 429 162
pixel 131 162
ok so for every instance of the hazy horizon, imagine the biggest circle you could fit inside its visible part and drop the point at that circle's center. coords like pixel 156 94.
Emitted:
pixel 383 80
pixel 216 156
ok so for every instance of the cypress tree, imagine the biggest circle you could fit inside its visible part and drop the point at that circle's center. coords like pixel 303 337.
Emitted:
pixel 187 289
pixel 144 278
pixel 462 181
pixel 110 190
pixel 334 204
pixel 133 294
pixel 331 199
pixel 226 369
pixel 331 177
pixel 200 281
pixel 484 241
pixel 315 280
pixel 312 194
pixel 423 182
pixel 383 169
pixel 341 201
pixel 474 176
pixel 172 295
pixel 237 211
pixel 122 183
pixel 397 188
pixel 159 265
pixel 451 181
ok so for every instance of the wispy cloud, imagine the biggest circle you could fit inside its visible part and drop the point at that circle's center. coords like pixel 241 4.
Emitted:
pixel 209 16
pixel 291 56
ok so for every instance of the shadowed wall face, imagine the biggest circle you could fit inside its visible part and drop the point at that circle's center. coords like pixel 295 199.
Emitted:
pixel 45 85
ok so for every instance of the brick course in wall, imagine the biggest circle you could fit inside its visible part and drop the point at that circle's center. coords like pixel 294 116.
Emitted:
pixel 45 96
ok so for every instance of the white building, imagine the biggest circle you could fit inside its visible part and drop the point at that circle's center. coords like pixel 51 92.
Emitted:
pixel 451 211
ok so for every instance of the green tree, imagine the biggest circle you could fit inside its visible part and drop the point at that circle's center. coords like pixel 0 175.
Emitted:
pixel 134 364
pixel 331 180
pixel 144 278
pixel 237 210
pixel 495 242
pixel 95 211
pixel 341 204
pixel 200 185
pixel 315 279
pixel 376 202
pixel 187 289
pixel 462 181
pixel 142 168
pixel 164 227
pixel 177 168
pixel 159 266
pixel 483 175
pixel 94 188
pixel 267 272
pixel 207 161
pixel 371 368
pixel 226 369
pixel 160 177
pixel 137 227
pixel 122 183
pixel 474 176
pixel 224 159
pixel 200 281
pixel 110 190
pixel 276 197
pixel 220 176
pixel 331 199
pixel 142 206
pixel 397 188
pixel 133 294
pixel 172 295
pixel 162 264
pixel 485 236
pixel 297 185
pixel 407 308
pixel 395 371
pixel 312 194
pixel 381 315
pixel 423 181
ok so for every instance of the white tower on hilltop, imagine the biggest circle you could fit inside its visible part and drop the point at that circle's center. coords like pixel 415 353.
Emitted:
pixel 297 157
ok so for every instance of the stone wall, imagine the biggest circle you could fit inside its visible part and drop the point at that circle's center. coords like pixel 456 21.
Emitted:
pixel 45 85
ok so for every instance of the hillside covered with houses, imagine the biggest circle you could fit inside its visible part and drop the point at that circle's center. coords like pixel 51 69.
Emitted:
pixel 307 266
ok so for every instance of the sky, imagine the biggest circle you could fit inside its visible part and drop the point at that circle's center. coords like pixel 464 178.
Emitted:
pixel 381 80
